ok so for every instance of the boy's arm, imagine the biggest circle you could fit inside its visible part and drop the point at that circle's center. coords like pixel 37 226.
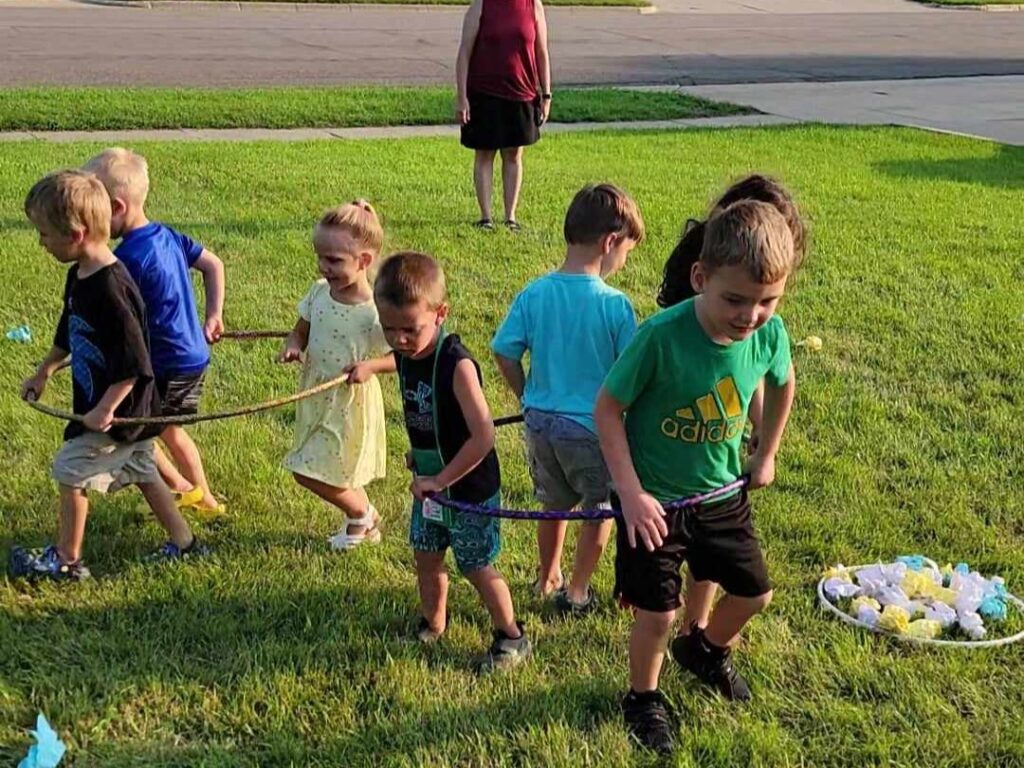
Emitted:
pixel 778 402
pixel 513 373
pixel 470 396
pixel 101 416
pixel 212 269
pixel 642 513
pixel 32 388
pixel 365 370
pixel 296 342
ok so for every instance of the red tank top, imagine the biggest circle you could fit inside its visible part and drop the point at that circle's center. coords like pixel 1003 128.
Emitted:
pixel 504 61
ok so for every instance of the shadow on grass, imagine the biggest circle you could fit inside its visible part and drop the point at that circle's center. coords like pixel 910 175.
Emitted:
pixel 1004 170
pixel 341 641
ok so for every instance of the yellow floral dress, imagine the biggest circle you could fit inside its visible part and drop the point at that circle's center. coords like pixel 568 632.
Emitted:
pixel 339 434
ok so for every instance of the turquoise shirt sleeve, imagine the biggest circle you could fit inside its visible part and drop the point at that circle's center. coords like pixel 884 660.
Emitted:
pixel 634 369
pixel 510 340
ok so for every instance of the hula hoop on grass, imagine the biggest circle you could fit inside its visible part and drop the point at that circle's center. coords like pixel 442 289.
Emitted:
pixel 996 642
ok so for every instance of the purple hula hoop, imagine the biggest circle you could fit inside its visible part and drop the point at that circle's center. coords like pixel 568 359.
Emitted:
pixel 580 514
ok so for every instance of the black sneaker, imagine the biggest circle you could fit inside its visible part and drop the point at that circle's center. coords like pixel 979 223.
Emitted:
pixel 569 608
pixel 504 652
pixel 710 664
pixel 45 564
pixel 171 552
pixel 649 721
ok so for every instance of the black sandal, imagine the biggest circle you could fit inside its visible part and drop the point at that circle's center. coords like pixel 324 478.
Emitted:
pixel 513 225
pixel 484 224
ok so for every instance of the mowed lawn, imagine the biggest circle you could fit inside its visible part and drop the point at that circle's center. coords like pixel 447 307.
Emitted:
pixel 82 109
pixel 906 437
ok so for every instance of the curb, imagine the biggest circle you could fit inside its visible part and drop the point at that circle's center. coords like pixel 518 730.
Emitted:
pixel 257 5
pixel 983 8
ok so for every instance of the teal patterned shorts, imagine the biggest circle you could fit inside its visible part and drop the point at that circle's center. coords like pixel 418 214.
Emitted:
pixel 475 539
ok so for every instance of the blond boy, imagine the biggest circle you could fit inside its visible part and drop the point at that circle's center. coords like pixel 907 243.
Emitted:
pixel 159 259
pixel 103 328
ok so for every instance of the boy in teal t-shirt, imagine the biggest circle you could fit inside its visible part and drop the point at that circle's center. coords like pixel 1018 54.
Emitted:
pixel 684 386
pixel 573 326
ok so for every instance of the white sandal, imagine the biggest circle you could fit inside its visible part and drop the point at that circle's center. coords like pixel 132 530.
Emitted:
pixel 370 522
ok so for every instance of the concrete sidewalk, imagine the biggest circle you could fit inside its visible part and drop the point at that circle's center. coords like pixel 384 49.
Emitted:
pixel 989 107
pixel 394 132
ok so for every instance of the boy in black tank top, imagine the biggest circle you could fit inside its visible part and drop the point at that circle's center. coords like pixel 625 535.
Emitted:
pixel 452 453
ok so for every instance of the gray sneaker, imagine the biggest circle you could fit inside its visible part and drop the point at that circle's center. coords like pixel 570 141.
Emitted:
pixel 569 608
pixel 425 634
pixel 504 652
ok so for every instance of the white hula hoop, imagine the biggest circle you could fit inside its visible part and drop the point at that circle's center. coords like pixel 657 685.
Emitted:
pixel 829 606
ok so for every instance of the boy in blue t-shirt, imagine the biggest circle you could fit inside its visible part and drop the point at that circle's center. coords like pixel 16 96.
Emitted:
pixel 574 326
pixel 159 259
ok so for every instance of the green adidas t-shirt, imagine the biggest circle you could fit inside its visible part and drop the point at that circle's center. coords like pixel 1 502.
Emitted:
pixel 686 399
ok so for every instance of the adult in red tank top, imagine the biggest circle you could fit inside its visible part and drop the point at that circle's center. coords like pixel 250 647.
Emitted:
pixel 503 93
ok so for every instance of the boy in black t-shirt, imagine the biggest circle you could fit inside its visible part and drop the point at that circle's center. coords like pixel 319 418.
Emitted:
pixel 103 327
pixel 452 440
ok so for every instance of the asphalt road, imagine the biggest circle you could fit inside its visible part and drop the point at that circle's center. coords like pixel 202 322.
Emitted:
pixel 68 43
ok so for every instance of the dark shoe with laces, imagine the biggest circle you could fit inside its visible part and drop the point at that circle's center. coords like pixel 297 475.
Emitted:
pixel 504 652
pixel 710 664
pixel 649 720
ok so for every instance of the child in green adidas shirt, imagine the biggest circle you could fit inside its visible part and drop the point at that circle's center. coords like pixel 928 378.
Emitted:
pixel 684 385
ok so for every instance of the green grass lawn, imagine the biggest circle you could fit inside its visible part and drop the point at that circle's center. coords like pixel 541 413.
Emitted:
pixel 906 437
pixel 68 109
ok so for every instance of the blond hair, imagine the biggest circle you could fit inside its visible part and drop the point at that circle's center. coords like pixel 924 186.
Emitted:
pixel 124 173
pixel 70 200
pixel 359 219
pixel 409 277
pixel 599 210
pixel 753 235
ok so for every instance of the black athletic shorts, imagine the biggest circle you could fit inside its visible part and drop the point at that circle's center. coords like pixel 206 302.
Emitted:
pixel 717 541
pixel 179 395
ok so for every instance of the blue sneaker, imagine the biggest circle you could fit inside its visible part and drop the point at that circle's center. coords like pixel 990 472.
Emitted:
pixel 171 552
pixel 45 564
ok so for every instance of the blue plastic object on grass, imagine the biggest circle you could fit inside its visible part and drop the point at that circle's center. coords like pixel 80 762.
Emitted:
pixel 21 334
pixel 48 749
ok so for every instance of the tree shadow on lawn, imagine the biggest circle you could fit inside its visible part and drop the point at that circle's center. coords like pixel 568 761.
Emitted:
pixel 1004 170
pixel 235 645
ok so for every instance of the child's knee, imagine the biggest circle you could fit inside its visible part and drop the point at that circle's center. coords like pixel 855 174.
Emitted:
pixel 429 563
pixel 761 602
pixel 656 622
pixel 175 435
pixel 478 574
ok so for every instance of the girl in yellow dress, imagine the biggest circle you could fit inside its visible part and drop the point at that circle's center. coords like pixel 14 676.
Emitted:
pixel 340 444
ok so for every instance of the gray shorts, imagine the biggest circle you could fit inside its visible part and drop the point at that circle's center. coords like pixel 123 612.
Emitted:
pixel 96 462
pixel 566 464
